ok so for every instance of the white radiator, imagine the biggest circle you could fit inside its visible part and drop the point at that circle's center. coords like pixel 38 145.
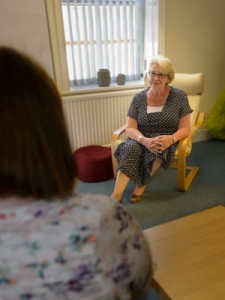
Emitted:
pixel 91 119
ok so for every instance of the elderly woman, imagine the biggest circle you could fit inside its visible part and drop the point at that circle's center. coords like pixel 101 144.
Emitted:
pixel 158 118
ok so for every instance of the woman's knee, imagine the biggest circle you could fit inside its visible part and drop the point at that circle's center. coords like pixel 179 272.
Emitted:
pixel 135 148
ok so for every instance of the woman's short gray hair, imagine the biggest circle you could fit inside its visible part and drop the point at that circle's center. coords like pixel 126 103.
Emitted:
pixel 166 64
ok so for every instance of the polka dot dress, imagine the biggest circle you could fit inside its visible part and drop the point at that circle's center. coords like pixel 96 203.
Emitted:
pixel 134 159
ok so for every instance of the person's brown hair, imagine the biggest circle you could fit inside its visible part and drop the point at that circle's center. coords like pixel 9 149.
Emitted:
pixel 35 154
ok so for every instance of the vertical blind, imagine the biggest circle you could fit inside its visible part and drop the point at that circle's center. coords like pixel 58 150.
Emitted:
pixel 107 34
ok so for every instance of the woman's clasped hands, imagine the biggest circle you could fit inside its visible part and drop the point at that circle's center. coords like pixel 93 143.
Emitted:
pixel 159 143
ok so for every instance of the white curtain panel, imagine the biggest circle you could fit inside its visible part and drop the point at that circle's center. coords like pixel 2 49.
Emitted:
pixel 116 35
pixel 151 29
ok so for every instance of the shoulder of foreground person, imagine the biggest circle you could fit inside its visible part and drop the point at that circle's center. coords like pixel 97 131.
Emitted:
pixel 109 210
pixel 122 246
pixel 90 239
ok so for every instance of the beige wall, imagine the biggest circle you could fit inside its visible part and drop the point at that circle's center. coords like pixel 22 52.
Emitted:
pixel 24 26
pixel 195 41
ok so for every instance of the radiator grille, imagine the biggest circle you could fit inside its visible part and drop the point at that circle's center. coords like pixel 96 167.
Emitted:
pixel 92 119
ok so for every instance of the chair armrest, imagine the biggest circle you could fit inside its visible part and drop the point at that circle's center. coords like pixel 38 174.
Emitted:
pixel 117 133
pixel 183 144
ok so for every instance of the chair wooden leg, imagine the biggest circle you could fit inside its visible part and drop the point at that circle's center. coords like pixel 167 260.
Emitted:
pixel 185 180
pixel 185 174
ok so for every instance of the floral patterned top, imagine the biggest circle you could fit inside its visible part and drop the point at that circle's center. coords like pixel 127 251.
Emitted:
pixel 82 248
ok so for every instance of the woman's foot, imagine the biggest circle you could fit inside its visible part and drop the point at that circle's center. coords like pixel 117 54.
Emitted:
pixel 137 194
pixel 135 198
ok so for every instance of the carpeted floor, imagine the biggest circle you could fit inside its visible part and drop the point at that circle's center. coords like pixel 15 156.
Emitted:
pixel 162 201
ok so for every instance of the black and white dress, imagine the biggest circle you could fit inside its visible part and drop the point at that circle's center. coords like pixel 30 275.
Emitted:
pixel 134 159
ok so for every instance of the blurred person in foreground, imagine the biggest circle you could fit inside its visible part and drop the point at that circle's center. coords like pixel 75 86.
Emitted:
pixel 55 244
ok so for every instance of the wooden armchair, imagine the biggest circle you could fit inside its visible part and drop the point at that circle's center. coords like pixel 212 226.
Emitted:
pixel 193 85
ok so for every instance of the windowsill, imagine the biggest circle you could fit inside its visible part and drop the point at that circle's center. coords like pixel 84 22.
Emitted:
pixel 96 89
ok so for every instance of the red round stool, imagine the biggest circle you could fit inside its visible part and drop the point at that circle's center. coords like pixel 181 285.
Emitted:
pixel 94 163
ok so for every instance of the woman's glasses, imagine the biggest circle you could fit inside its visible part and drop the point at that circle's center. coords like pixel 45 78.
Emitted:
pixel 160 75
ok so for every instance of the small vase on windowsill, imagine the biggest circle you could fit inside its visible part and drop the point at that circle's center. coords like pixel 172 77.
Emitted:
pixel 121 79
pixel 103 76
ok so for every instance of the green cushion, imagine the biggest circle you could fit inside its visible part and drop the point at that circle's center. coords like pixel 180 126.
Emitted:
pixel 215 121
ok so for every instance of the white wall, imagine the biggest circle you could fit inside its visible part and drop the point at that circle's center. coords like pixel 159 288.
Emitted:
pixel 24 26
pixel 195 41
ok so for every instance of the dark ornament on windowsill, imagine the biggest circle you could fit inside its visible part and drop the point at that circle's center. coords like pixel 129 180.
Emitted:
pixel 121 79
pixel 103 76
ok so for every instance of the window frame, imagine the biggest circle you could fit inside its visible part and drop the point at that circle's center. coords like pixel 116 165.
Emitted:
pixel 59 60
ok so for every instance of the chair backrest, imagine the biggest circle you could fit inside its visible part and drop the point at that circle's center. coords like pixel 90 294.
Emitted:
pixel 192 84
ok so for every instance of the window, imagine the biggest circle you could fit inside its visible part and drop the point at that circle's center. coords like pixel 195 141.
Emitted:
pixel 88 35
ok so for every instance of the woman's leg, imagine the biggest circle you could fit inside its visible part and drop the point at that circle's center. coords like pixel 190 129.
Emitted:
pixel 156 165
pixel 139 190
pixel 121 182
